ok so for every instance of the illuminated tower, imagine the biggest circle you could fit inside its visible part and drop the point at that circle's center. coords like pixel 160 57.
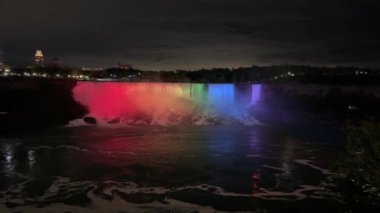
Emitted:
pixel 39 58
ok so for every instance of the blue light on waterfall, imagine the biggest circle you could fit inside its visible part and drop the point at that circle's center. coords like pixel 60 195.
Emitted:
pixel 221 97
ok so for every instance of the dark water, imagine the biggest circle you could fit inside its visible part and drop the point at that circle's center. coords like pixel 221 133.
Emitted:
pixel 169 169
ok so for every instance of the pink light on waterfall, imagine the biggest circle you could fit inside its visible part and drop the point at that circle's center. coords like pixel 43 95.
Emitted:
pixel 108 100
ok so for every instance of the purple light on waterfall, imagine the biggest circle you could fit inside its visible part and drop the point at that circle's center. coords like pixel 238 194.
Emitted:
pixel 256 93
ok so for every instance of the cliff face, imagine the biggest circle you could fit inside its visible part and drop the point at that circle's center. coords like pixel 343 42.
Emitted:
pixel 328 102
pixel 32 104
pixel 321 90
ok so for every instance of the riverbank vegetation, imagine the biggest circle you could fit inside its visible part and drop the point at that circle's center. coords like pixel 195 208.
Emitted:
pixel 360 162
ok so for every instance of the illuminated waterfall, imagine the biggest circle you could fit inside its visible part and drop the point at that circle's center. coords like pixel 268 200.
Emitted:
pixel 222 97
pixel 174 102
pixel 256 93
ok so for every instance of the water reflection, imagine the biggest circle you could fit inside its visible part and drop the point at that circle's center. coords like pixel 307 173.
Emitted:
pixel 31 158
pixel 250 162
pixel 8 157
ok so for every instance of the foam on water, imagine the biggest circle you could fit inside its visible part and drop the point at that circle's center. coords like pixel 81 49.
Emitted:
pixel 115 196
pixel 309 163
pixel 63 188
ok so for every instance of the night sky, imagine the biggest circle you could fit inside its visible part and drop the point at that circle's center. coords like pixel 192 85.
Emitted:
pixel 192 34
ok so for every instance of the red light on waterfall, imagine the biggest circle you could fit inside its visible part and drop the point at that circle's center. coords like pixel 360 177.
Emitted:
pixel 120 100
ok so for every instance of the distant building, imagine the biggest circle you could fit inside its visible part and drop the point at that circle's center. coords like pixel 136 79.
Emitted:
pixel 125 66
pixel 55 62
pixel 3 66
pixel 39 58
pixel 1 58
pixel 92 69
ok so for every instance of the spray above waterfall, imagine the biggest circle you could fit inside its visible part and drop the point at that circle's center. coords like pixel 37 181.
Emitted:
pixel 169 103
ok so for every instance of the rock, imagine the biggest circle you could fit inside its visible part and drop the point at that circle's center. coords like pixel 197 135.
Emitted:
pixel 32 104
pixel 114 121
pixel 90 120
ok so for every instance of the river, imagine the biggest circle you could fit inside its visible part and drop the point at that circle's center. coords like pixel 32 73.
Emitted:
pixel 153 158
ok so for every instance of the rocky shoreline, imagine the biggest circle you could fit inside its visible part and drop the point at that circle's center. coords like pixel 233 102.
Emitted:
pixel 35 104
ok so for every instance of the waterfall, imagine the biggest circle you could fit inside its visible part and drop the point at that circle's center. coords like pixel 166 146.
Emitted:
pixel 167 103
pixel 256 93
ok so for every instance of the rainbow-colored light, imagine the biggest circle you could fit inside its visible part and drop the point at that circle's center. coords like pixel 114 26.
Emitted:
pixel 109 100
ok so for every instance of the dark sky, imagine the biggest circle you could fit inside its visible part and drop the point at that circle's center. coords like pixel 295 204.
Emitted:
pixel 191 34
